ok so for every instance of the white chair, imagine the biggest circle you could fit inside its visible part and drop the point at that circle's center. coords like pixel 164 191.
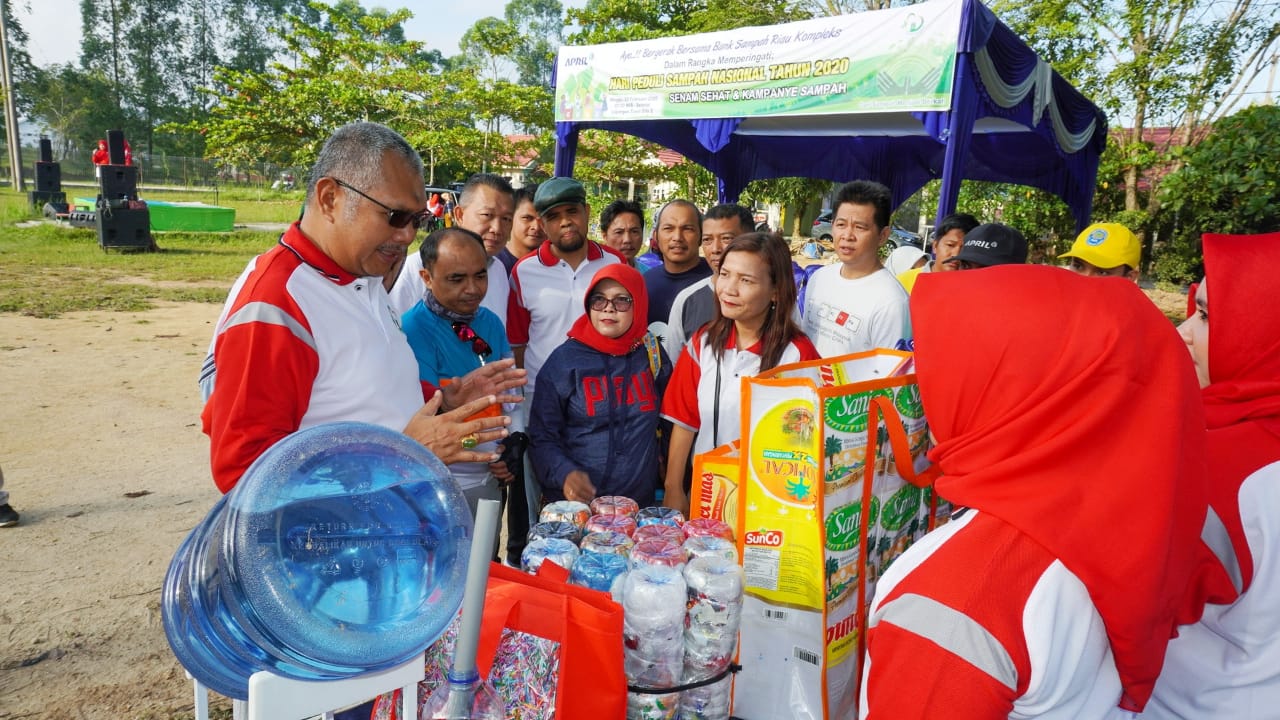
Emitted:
pixel 272 697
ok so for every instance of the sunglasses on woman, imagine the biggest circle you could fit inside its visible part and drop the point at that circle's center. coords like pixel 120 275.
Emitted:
pixel 395 218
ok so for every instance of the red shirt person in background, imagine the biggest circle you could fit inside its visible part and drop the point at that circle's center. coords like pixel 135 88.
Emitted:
pixel 101 156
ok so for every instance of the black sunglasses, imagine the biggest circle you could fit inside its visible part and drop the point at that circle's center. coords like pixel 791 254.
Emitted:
pixel 466 334
pixel 621 303
pixel 395 218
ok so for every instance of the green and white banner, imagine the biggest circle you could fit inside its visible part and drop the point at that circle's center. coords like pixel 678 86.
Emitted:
pixel 900 59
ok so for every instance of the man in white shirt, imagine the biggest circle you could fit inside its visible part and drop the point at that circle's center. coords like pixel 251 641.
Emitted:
pixel 695 306
pixel 486 208
pixel 856 304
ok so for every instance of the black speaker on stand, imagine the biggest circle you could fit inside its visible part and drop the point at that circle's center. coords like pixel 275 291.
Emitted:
pixel 48 187
pixel 123 221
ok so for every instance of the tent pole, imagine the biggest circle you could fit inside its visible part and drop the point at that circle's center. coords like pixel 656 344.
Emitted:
pixel 964 105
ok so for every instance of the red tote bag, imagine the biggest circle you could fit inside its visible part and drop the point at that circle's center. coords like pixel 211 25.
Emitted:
pixel 586 623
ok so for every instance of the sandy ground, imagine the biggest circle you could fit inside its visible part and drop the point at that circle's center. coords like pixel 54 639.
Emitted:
pixel 103 455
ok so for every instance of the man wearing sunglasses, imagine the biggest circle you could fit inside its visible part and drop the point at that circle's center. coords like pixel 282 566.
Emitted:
pixel 307 335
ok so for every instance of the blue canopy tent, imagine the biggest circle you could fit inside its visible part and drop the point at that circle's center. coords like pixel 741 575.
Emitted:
pixel 1010 118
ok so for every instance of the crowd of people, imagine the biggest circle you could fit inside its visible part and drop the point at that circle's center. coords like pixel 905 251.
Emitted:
pixel 1104 504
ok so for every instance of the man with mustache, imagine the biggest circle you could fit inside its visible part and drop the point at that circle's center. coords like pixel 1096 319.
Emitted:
pixel 308 335
pixel 679 227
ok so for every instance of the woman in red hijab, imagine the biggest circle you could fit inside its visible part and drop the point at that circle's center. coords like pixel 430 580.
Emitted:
pixel 1227 665
pixel 593 426
pixel 1069 437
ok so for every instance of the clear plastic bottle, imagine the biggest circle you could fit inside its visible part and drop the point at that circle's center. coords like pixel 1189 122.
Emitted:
pixel 464 699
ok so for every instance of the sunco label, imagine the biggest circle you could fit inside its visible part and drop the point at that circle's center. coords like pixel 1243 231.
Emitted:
pixel 764 538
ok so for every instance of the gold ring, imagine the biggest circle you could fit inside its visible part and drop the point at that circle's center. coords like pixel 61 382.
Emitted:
pixel 470 441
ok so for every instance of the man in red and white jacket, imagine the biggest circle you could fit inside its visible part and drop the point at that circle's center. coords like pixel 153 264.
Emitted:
pixel 307 335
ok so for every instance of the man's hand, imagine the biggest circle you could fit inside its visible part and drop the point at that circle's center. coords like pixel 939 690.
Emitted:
pixel 444 434
pixel 578 487
pixel 500 471
pixel 495 378
pixel 675 498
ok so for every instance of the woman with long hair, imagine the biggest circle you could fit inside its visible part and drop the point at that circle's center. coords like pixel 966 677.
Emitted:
pixel 1227 665
pixel 752 331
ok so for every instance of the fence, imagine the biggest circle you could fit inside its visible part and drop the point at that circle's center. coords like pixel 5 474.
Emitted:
pixel 170 170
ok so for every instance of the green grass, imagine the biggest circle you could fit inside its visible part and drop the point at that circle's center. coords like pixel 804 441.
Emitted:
pixel 46 270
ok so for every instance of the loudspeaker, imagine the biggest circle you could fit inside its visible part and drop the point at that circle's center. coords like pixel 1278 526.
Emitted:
pixel 115 147
pixel 54 209
pixel 123 228
pixel 41 197
pixel 117 183
pixel 48 177
pixel 46 150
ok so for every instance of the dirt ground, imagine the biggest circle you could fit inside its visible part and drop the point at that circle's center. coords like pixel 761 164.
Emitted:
pixel 102 453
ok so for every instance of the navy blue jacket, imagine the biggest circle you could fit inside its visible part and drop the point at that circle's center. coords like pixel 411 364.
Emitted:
pixel 598 413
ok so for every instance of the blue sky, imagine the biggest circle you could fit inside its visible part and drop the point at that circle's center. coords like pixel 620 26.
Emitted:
pixel 54 25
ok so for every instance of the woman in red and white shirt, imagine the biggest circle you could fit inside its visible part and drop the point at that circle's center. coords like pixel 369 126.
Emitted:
pixel 752 331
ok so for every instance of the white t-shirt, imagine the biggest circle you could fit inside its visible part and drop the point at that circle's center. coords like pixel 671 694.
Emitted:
pixel 1228 664
pixel 848 316
pixel 409 287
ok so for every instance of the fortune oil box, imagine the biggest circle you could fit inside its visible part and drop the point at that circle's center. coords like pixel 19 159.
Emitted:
pixel 811 554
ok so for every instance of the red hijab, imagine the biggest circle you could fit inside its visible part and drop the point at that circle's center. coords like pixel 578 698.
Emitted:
pixel 1064 406
pixel 1242 402
pixel 633 283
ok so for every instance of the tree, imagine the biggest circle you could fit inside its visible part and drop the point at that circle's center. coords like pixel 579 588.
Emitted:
pixel 351 66
pixel 539 26
pixel 68 103
pixel 1179 62
pixel 1227 184
pixel 601 21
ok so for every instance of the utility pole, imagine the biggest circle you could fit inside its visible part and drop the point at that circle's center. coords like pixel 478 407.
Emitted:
pixel 10 106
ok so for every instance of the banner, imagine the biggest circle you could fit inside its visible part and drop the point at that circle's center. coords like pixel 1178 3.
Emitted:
pixel 899 59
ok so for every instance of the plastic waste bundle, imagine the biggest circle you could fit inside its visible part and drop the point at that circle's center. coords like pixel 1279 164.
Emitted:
pixel 710 635
pixel 696 547
pixel 612 543
pixel 341 551
pixel 707 527
pixel 658 531
pixel 662 515
pixel 566 511
pixel 653 603
pixel 555 529
pixel 598 571
pixel 558 551
pixel 624 524
pixel 614 505
pixel 658 552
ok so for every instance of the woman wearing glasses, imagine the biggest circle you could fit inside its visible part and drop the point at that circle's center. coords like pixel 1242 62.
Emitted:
pixel 593 427
pixel 752 331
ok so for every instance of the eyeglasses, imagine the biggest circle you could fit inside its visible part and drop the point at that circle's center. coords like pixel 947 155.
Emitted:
pixel 478 346
pixel 621 303
pixel 395 218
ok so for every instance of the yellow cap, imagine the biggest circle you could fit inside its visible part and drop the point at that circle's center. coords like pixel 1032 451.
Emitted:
pixel 1106 245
